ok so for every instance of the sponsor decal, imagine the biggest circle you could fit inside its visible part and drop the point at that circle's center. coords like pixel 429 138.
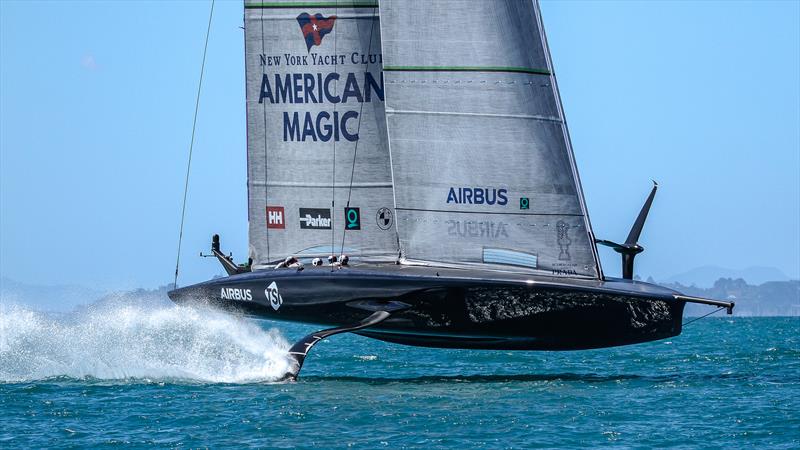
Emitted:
pixel 310 88
pixel 315 27
pixel 326 102
pixel 323 127
pixel 352 218
pixel 524 203
pixel 325 85
pixel 235 294
pixel 564 271
pixel 275 217
pixel 477 196
pixel 477 229
pixel 274 297
pixel 315 219
pixel 384 218
pixel 562 228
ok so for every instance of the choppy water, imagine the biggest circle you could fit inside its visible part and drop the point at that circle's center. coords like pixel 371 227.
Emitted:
pixel 165 376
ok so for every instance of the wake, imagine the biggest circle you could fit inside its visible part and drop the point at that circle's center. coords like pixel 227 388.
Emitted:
pixel 119 342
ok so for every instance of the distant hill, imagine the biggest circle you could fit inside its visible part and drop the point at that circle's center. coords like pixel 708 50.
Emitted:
pixel 66 298
pixel 59 298
pixel 773 298
pixel 143 298
pixel 706 276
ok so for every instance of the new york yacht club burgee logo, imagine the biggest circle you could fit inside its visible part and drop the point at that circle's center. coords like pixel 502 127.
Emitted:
pixel 315 27
pixel 314 79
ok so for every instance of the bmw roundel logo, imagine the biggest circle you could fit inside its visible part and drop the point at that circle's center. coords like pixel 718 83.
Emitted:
pixel 384 218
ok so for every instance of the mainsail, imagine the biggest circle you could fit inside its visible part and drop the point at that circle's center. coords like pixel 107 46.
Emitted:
pixel 319 178
pixel 482 164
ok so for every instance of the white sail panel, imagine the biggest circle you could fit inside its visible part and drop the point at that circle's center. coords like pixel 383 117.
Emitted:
pixel 315 90
pixel 482 166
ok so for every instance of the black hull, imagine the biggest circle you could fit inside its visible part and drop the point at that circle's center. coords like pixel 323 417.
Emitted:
pixel 452 308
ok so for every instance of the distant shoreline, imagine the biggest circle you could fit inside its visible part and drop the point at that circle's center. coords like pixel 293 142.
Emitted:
pixel 769 299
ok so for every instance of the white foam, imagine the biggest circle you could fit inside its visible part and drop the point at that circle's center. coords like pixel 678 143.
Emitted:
pixel 114 342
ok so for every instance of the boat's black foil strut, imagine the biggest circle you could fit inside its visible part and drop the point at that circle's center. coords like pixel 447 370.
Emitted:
pixel 300 349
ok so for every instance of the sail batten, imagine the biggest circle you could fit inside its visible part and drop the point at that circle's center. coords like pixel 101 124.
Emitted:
pixel 474 114
pixel 466 69
pixel 342 185
pixel 319 4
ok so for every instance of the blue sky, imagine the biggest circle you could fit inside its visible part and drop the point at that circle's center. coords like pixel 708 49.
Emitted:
pixel 96 103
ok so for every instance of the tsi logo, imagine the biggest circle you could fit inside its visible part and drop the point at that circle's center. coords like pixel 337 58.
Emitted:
pixel 315 219
pixel 274 297
pixel 275 217
pixel 477 196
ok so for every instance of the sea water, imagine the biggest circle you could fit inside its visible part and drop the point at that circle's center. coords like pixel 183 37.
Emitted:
pixel 167 376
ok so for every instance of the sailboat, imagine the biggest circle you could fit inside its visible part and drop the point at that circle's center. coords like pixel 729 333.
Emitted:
pixel 426 141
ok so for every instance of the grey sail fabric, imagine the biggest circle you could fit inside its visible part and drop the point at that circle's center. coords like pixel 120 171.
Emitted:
pixel 482 165
pixel 315 90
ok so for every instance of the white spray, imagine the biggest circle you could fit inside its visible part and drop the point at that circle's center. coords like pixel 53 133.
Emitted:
pixel 115 342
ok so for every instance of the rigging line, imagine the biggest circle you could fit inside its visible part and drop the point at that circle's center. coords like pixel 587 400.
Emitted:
pixel 703 317
pixel 358 127
pixel 266 154
pixel 191 146
pixel 333 162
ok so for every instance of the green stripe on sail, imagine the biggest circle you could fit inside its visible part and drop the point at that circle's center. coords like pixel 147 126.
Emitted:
pixel 334 4
pixel 466 69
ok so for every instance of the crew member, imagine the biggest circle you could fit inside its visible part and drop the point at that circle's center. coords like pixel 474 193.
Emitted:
pixel 288 262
